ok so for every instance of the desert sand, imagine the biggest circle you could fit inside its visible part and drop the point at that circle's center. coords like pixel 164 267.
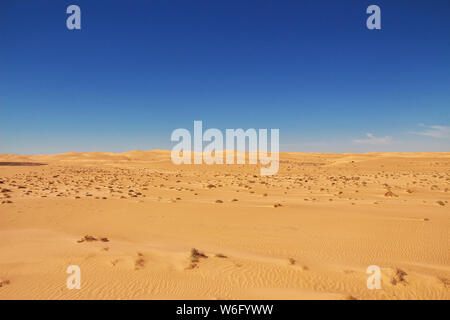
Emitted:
pixel 140 227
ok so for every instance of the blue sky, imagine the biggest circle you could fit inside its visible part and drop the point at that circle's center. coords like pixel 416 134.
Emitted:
pixel 137 70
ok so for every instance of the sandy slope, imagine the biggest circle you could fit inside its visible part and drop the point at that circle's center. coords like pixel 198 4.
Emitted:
pixel 339 214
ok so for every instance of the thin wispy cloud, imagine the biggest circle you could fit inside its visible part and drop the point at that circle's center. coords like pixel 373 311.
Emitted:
pixel 434 131
pixel 374 141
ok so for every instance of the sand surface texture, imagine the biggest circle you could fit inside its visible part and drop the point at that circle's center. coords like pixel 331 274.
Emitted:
pixel 140 227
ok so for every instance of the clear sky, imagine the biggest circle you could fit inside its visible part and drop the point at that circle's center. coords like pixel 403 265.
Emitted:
pixel 137 70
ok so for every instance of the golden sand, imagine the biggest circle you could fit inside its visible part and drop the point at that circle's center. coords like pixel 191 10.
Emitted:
pixel 140 227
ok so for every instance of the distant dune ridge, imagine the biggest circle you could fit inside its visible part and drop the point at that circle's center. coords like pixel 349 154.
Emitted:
pixel 140 227
pixel 165 154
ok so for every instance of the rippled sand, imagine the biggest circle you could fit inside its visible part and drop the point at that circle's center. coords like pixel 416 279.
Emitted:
pixel 140 227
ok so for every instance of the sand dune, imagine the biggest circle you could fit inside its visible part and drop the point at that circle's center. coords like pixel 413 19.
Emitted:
pixel 140 227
